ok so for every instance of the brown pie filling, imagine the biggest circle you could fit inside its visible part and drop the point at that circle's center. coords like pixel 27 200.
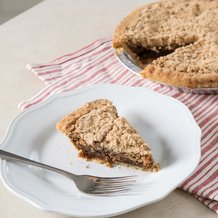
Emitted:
pixel 109 156
pixel 144 56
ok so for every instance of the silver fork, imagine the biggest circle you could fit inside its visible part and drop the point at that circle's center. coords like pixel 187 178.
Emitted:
pixel 85 183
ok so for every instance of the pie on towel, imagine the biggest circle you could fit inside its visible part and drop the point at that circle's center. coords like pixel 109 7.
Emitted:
pixel 174 42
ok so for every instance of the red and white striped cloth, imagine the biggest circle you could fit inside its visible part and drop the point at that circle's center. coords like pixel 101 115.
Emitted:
pixel 95 64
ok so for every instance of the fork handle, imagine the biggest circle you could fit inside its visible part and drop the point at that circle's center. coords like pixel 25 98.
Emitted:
pixel 10 156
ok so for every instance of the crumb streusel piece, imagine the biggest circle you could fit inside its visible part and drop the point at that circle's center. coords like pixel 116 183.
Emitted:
pixel 99 133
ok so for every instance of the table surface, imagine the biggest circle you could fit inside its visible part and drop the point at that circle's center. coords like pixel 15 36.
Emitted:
pixel 49 30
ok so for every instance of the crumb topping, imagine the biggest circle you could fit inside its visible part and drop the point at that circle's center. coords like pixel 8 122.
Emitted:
pixel 97 130
pixel 102 126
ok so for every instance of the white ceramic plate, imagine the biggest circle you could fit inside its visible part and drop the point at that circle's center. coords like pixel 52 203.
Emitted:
pixel 165 123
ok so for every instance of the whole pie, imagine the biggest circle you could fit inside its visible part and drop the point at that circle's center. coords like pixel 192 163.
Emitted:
pixel 99 133
pixel 174 42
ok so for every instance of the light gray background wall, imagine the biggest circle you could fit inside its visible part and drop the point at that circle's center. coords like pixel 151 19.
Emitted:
pixel 11 8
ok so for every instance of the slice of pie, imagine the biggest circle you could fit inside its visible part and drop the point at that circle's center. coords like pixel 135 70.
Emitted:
pixel 174 42
pixel 99 133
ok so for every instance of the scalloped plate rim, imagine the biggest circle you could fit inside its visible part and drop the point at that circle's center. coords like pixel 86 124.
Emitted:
pixel 42 205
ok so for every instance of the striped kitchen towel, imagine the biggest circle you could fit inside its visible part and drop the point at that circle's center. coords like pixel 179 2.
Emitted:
pixel 95 64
